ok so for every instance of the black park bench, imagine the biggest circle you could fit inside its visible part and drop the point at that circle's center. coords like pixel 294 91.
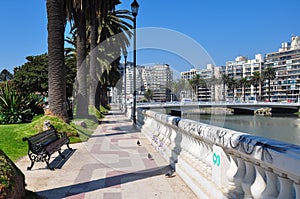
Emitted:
pixel 42 145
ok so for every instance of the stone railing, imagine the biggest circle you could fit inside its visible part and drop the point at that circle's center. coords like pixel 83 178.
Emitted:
pixel 221 163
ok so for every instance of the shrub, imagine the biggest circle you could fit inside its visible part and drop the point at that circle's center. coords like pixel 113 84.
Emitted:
pixel 17 108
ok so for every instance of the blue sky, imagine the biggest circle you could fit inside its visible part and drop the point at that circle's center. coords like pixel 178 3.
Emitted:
pixel 225 29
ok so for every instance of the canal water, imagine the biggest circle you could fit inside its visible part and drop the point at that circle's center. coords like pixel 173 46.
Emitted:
pixel 283 128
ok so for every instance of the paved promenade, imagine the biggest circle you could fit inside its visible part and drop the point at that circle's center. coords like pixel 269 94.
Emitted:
pixel 109 165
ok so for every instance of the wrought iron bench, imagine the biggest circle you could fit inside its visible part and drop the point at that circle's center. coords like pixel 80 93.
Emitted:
pixel 42 145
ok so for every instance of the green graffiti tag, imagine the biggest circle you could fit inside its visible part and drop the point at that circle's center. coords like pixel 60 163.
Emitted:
pixel 216 159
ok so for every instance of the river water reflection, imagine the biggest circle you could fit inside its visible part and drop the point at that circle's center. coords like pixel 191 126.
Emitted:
pixel 283 128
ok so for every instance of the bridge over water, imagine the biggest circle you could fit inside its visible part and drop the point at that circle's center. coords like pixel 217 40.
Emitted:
pixel 237 107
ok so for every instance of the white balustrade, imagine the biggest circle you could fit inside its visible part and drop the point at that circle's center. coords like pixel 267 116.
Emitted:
pixel 222 163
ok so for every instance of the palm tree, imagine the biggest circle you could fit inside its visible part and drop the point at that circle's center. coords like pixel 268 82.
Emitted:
pixel 255 80
pixel 195 82
pixel 56 69
pixel 83 13
pixel 114 37
pixel 244 83
pixel 232 84
pixel 224 80
pixel 269 74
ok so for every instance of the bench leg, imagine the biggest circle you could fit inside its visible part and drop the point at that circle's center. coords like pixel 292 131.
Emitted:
pixel 61 155
pixel 31 165
pixel 69 147
pixel 47 162
pixel 32 158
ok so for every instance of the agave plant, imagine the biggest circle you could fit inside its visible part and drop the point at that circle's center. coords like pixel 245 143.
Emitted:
pixel 13 106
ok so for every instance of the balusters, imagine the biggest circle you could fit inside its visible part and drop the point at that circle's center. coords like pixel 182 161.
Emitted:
pixel 259 184
pixel 286 188
pixel 234 188
pixel 239 176
pixel 271 190
pixel 297 190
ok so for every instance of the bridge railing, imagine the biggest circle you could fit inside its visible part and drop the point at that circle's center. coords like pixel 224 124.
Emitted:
pixel 221 163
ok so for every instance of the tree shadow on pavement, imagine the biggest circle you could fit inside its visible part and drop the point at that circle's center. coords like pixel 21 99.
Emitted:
pixel 112 181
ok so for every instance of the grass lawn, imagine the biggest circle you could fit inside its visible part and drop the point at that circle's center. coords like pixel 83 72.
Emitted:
pixel 11 135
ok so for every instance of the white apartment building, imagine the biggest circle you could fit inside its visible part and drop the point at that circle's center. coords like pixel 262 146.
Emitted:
pixel 157 78
pixel 211 91
pixel 160 85
pixel 286 63
pixel 239 68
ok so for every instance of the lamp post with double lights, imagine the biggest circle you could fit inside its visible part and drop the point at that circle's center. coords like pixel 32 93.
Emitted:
pixel 134 9
pixel 125 57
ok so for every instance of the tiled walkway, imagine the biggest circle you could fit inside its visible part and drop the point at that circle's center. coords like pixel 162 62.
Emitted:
pixel 109 165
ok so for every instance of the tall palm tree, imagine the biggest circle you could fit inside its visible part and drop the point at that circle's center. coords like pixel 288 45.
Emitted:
pixel 98 12
pixel 224 80
pixel 56 69
pixel 83 13
pixel 255 80
pixel 195 82
pixel 114 38
pixel 232 84
pixel 244 83
pixel 269 74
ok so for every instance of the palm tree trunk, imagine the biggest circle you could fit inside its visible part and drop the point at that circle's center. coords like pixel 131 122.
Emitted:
pixel 56 64
pixel 269 84
pixel 82 97
pixel 244 94
pixel 93 57
pixel 255 92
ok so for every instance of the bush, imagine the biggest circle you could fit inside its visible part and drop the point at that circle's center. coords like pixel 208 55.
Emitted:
pixel 12 180
pixel 17 108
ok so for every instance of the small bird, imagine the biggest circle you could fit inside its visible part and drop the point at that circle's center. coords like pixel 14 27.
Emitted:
pixel 138 143
pixel 170 173
pixel 150 156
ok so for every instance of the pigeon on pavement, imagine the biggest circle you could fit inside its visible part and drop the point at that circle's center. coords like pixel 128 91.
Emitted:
pixel 170 173
pixel 150 156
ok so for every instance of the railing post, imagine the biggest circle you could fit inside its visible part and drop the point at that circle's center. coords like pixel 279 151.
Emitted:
pixel 286 188
pixel 271 190
pixel 248 179
pixel 259 184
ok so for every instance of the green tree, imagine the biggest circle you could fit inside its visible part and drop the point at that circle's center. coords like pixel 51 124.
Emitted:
pixel 243 83
pixel 32 76
pixel 195 82
pixel 255 80
pixel 114 35
pixel 269 74
pixel 232 85
pixel 148 95
pixel 224 80
pixel 5 75
pixel 178 87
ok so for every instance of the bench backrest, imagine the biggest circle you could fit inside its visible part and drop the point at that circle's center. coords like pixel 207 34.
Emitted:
pixel 39 141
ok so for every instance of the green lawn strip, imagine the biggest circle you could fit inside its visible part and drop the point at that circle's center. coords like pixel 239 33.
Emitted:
pixel 11 135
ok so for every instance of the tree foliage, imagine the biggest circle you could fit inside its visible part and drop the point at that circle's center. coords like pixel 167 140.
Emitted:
pixel 16 107
pixel 5 75
pixel 32 77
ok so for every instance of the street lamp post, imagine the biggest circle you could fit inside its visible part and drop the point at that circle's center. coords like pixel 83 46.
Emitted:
pixel 125 57
pixel 134 8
